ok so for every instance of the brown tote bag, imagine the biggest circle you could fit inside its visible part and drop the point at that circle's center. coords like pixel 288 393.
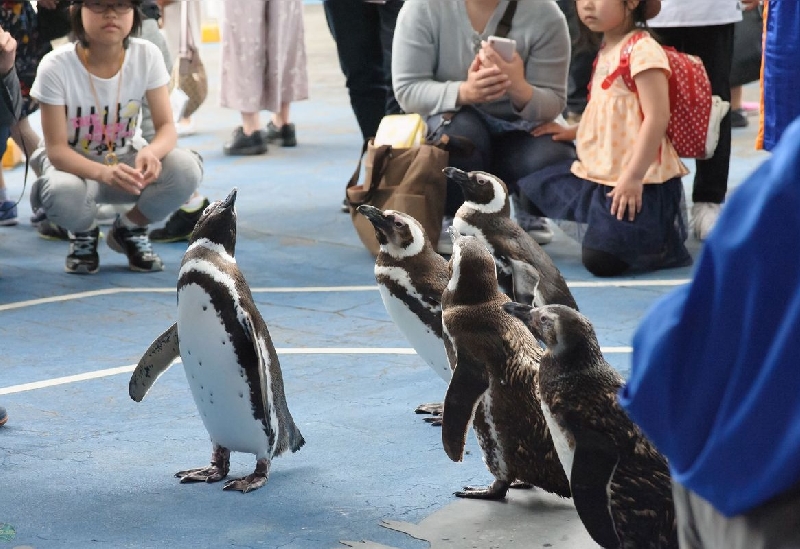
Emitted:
pixel 407 180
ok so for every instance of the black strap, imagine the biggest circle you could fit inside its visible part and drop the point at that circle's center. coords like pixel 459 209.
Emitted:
pixel 504 26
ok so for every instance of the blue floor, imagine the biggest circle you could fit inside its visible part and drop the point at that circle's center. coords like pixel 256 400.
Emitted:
pixel 81 465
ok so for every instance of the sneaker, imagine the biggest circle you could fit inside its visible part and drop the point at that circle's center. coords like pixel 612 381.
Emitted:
pixel 38 216
pixel 285 134
pixel 8 213
pixel 534 225
pixel 245 145
pixel 704 217
pixel 345 206
pixel 50 231
pixel 179 226
pixel 3 416
pixel 739 118
pixel 134 244
pixel 82 257
pixel 445 244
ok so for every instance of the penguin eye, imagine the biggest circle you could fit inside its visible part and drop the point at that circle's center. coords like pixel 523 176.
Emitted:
pixel 399 224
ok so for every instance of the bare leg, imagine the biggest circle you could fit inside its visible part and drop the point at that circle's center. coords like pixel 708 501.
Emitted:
pixel 496 491
pixel 251 122
pixel 736 98
pixel 282 117
pixel 24 136
pixel 218 470
pixel 253 481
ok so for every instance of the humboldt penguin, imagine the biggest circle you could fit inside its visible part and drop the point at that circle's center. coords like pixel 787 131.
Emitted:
pixel 495 362
pixel 524 270
pixel 411 277
pixel 227 354
pixel 620 483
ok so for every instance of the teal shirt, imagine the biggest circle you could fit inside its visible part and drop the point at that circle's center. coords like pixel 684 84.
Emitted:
pixel 434 45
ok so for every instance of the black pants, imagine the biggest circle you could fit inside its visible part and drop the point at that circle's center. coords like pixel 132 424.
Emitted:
pixel 714 46
pixel 363 32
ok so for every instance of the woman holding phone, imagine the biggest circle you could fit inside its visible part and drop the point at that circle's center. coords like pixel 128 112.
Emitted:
pixel 443 63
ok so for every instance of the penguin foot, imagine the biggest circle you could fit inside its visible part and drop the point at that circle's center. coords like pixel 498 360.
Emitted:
pixel 435 421
pixel 250 482
pixel 495 491
pixel 434 408
pixel 520 485
pixel 212 473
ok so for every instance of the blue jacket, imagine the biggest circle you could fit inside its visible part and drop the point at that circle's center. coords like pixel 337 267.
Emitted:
pixel 715 380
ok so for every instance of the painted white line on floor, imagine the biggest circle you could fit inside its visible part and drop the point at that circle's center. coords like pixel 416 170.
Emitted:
pixel 97 374
pixel 312 289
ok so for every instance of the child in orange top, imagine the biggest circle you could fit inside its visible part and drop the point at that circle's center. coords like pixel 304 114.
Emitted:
pixel 624 193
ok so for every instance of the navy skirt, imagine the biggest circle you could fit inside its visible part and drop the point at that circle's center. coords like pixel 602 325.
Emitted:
pixel 654 240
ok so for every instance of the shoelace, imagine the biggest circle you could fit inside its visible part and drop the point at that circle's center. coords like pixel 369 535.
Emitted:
pixel 83 245
pixel 140 240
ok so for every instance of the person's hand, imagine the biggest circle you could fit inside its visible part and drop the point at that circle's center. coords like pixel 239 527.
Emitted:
pixel 124 178
pixel 514 69
pixel 559 132
pixel 148 165
pixel 626 196
pixel 8 52
pixel 748 5
pixel 47 4
pixel 483 84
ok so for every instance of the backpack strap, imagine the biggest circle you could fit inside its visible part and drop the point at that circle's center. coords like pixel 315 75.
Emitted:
pixel 504 26
pixel 624 68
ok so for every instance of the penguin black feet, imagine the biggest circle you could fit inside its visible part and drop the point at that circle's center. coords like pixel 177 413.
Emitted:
pixel 433 408
pixel 218 470
pixel 495 491
pixel 250 482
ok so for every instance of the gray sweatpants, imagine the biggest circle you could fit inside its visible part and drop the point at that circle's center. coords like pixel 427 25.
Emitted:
pixel 774 525
pixel 71 202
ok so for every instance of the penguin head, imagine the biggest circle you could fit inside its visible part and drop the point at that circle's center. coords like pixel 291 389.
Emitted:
pixel 483 192
pixel 399 234
pixel 558 327
pixel 218 223
pixel 473 275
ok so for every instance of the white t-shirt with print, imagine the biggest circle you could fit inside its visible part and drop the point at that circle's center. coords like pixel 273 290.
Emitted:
pixel 696 13
pixel 63 80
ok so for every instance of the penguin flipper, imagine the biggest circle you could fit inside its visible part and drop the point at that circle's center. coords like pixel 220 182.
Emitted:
pixel 593 466
pixel 466 387
pixel 155 361
pixel 525 279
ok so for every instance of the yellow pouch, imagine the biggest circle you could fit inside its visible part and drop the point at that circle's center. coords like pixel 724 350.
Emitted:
pixel 401 131
pixel 13 155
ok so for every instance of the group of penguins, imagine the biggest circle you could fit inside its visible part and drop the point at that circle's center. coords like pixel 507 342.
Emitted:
pixel 497 322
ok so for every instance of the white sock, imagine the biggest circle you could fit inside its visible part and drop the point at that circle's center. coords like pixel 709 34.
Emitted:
pixel 194 203
pixel 3 196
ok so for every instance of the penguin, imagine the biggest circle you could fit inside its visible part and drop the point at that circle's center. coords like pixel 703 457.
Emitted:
pixel 227 354
pixel 525 272
pixel 411 277
pixel 495 363
pixel 620 483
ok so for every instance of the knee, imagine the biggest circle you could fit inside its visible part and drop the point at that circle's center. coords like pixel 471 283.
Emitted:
pixel 602 264
pixel 65 199
pixel 182 168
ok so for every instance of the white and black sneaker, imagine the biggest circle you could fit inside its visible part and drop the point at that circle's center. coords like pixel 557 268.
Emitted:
pixel 82 257
pixel 135 244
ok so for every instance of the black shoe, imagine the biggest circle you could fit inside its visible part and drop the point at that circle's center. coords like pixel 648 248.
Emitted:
pixel 739 119
pixel 285 134
pixel 245 145
pixel 82 257
pixel 50 231
pixel 134 244
pixel 179 225
pixel 345 206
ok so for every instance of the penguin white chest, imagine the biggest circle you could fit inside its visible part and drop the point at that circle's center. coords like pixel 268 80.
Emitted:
pixel 561 440
pixel 216 379
pixel 428 345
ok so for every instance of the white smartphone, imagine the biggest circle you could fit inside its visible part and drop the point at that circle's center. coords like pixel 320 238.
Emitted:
pixel 504 46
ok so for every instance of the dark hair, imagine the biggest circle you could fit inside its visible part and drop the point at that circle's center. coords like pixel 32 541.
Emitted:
pixel 590 40
pixel 80 32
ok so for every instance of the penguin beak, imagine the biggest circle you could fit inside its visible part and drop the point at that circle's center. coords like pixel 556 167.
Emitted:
pixel 230 200
pixel 376 217
pixel 519 310
pixel 459 176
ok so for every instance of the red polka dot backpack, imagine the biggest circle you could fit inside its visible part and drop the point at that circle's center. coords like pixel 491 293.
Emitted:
pixel 695 114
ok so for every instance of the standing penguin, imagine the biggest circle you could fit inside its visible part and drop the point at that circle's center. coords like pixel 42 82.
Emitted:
pixel 495 362
pixel 411 277
pixel 620 483
pixel 227 354
pixel 524 270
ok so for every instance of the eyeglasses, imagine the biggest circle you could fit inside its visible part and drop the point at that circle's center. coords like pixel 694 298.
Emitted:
pixel 99 7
